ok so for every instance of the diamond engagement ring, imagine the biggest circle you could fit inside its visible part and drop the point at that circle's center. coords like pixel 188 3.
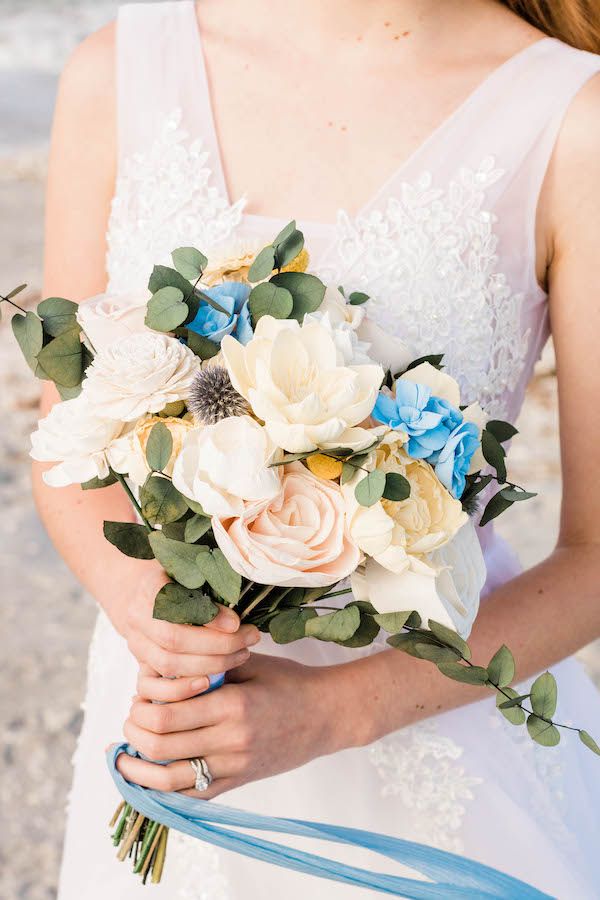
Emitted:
pixel 202 773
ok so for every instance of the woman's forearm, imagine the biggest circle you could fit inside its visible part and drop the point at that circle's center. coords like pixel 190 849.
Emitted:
pixel 74 518
pixel 543 615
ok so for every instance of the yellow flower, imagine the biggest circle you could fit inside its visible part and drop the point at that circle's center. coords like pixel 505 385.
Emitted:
pixel 236 267
pixel 128 453
pixel 324 466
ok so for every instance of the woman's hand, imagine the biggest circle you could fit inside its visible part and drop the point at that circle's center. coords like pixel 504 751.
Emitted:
pixel 272 716
pixel 184 650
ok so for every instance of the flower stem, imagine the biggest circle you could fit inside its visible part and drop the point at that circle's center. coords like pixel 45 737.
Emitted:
pixel 122 480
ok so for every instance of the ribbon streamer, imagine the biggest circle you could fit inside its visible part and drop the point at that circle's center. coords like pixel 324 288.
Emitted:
pixel 450 876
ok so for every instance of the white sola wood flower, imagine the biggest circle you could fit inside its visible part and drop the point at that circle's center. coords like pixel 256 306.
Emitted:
pixel 290 375
pixel 140 374
pixel 76 438
pixel 106 318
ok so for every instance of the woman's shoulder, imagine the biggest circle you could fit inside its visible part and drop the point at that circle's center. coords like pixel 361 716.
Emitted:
pixel 87 83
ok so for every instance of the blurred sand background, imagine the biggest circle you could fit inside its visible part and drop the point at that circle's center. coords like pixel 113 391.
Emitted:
pixel 46 618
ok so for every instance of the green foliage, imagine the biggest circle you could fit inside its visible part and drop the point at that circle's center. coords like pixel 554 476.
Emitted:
pixel 166 309
pixel 494 454
pixel 130 538
pixel 335 626
pixel 397 487
pixel 367 630
pixel 502 431
pixel 544 695
pixel 542 732
pixel 161 502
pixel 29 333
pixel 451 638
pixel 159 447
pixel 196 527
pixel 290 625
pixel 62 359
pixel 357 298
pixel 266 299
pixel 178 559
pixel 501 667
pixel 515 494
pixel 201 346
pixel 223 579
pixel 392 622
pixel 497 505
pixel 189 262
pixel 589 741
pixel 174 603
pixel 476 675
pixel 370 489
pixel 434 360
pixel 307 291
pixel 288 248
pixel 58 316
pixel 163 276
pixel 95 483
pixel 513 713
pixel 263 265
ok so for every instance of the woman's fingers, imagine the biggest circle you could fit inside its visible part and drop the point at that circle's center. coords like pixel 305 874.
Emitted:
pixel 174 745
pixel 175 776
pixel 182 715
pixel 172 665
pixel 168 690
pixel 201 641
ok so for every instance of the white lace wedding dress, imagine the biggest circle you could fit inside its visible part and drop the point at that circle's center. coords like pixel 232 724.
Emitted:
pixel 446 249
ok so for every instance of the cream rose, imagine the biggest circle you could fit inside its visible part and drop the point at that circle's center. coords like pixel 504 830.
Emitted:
pixel 77 439
pixel 107 318
pixel 290 376
pixel 298 539
pixel 127 454
pixel 226 465
pixel 440 383
pixel 139 374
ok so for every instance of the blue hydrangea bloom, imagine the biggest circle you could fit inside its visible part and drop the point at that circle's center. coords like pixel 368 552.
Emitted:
pixel 453 460
pixel 232 296
pixel 427 420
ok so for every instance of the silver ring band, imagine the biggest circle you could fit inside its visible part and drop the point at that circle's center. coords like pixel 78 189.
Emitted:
pixel 202 773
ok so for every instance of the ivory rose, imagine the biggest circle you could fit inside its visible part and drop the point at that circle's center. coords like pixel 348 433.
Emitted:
pixel 298 539
pixel 290 376
pixel 127 454
pixel 107 318
pixel 225 465
pixel 74 437
pixel 140 374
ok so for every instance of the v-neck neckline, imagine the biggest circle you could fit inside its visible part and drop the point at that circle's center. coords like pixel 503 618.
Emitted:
pixel 495 75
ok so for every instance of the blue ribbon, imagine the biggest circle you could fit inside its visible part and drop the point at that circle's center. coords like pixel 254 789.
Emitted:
pixel 451 876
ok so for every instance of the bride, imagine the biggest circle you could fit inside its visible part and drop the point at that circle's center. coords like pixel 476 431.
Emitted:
pixel 459 144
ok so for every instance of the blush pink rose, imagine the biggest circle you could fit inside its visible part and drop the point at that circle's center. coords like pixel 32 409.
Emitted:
pixel 298 539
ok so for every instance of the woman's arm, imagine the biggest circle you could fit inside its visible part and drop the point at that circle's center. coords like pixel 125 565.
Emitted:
pixel 80 187
pixel 543 615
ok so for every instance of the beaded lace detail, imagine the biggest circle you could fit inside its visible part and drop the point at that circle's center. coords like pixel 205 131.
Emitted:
pixel 428 260
pixel 163 197
pixel 421 767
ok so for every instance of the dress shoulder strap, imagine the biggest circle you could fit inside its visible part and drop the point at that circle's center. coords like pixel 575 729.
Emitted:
pixel 162 85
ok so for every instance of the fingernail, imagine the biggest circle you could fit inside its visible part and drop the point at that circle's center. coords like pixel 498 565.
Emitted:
pixel 231 623
pixel 200 684
pixel 253 639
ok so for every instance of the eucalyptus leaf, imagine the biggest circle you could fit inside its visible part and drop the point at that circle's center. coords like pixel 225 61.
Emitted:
pixel 223 579
pixel 517 700
pixel 466 674
pixel 366 632
pixel 514 714
pixel 515 495
pixel 335 626
pixel 166 309
pixel 397 487
pixel 178 559
pixel 62 359
pixel 58 315
pixel 493 453
pixel 164 276
pixel 289 248
pixel 410 643
pixel 544 695
pixel 29 333
pixel 502 431
pixel 15 291
pixel 266 299
pixel 357 298
pixel 130 538
pixel 448 636
pixel 196 527
pixel 348 472
pixel 263 265
pixel 370 489
pixel 182 606
pixel 497 505
pixel 435 653
pixel 542 732
pixel 290 625
pixel 68 393
pixel 501 667
pixel 201 346
pixel 95 483
pixel 392 622
pixel 189 262
pixel 161 502
pixel 195 506
pixel 159 447
pixel 307 291
pixel 589 741
pixel 285 233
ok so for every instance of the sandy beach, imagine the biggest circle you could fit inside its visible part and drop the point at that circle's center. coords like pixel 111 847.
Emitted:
pixel 45 617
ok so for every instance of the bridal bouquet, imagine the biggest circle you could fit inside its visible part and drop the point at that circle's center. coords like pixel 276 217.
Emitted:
pixel 287 458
